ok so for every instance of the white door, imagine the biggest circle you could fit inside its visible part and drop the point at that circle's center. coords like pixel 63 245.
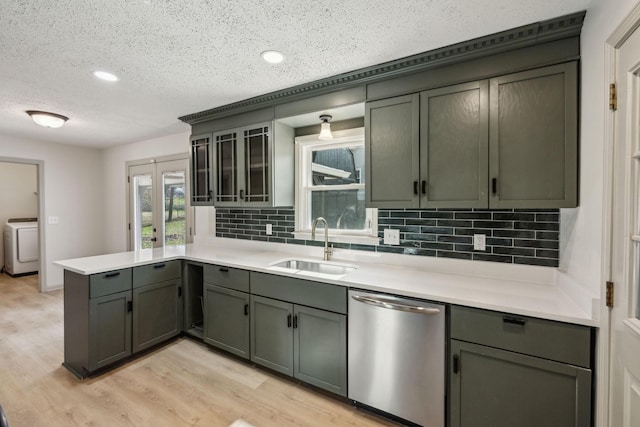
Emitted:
pixel 159 204
pixel 624 356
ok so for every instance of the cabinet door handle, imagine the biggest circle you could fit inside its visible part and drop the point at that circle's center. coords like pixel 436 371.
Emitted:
pixel 246 309
pixel 456 364
pixel 424 187
pixel 289 320
pixel 163 265
pixel 415 187
pixel 494 185
pixel 241 194
pixel 295 321
pixel 516 321
pixel 129 306
pixel 111 275
pixel 179 291
pixel 224 269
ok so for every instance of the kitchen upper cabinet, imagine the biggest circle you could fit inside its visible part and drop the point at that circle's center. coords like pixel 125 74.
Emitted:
pixel 454 146
pixel 201 176
pixel 253 166
pixel 533 138
pixel 507 142
pixel 392 152
pixel 510 370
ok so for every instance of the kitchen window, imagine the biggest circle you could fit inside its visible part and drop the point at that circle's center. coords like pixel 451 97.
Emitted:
pixel 330 184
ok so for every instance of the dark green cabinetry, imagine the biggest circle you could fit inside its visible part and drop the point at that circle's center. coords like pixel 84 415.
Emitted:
pixel 289 336
pixel 201 173
pixel 248 166
pixel 506 142
pixel 97 320
pixel 226 309
pixel 510 370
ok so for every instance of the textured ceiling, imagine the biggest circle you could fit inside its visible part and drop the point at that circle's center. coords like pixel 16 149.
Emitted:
pixel 176 57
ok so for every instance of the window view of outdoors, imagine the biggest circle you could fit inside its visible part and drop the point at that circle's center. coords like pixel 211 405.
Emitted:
pixel 174 209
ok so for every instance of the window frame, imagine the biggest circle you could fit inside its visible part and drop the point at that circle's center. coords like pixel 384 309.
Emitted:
pixel 304 145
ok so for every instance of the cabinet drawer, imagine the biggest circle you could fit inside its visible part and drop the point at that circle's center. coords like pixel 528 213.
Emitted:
pixel 304 292
pixel 109 282
pixel 154 273
pixel 558 341
pixel 227 277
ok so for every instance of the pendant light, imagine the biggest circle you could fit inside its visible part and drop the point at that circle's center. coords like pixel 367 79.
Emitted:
pixel 50 120
pixel 325 128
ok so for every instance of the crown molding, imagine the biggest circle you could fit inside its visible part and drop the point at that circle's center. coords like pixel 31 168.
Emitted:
pixel 516 38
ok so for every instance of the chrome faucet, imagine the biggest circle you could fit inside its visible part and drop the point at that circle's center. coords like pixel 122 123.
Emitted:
pixel 328 251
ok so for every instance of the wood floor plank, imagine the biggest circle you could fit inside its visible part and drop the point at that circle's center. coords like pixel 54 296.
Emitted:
pixel 185 383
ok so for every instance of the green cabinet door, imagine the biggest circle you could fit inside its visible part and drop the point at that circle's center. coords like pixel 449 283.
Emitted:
pixel 498 388
pixel 392 152
pixel 271 334
pixel 201 170
pixel 454 135
pixel 533 138
pixel 109 329
pixel 226 319
pixel 156 313
pixel 320 348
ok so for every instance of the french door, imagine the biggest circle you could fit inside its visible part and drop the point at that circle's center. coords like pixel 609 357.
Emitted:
pixel 159 210
pixel 624 410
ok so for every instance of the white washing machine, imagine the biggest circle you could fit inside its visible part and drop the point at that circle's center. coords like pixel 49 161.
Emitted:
pixel 21 246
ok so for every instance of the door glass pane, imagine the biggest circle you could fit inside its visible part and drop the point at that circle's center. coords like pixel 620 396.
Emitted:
pixel 257 167
pixel 174 219
pixel 201 169
pixel 142 212
pixel 226 167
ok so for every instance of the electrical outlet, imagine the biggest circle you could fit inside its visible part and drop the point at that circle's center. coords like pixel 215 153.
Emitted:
pixel 479 242
pixel 269 229
pixel 391 236
pixel 53 220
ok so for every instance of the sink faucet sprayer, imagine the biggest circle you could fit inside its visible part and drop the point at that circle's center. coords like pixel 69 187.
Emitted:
pixel 328 251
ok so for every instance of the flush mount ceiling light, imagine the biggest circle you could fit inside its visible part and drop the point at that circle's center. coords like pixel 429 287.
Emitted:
pixel 272 56
pixel 103 75
pixel 325 128
pixel 50 120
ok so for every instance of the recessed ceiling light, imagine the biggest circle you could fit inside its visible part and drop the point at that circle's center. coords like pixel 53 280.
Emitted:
pixel 272 56
pixel 106 76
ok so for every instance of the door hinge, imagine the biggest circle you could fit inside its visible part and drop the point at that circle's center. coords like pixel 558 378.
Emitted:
pixel 609 296
pixel 613 97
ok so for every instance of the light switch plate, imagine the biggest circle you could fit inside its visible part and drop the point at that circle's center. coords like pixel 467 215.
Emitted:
pixel 269 229
pixel 53 220
pixel 480 242
pixel 391 236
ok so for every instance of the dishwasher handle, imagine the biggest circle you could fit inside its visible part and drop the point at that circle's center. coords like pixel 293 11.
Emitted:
pixel 384 303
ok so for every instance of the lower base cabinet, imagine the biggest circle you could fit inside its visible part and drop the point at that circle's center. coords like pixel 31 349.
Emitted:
pixel 109 329
pixel 156 314
pixel 226 319
pixel 304 342
pixel 515 371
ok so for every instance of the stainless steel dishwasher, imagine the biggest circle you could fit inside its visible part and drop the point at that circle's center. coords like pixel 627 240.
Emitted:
pixel 397 356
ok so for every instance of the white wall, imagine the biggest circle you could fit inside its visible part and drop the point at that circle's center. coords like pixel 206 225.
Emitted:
pixel 18 194
pixel 582 228
pixel 72 191
pixel 115 181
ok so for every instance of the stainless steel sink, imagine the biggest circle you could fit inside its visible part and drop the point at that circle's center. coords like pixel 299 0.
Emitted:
pixel 315 267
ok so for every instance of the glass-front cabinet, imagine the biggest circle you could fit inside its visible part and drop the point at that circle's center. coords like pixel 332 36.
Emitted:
pixel 245 166
pixel 201 193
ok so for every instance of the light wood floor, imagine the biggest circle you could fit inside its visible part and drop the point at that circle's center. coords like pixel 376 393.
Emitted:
pixel 182 384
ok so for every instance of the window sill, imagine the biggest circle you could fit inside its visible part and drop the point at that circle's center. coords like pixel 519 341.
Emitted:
pixel 339 238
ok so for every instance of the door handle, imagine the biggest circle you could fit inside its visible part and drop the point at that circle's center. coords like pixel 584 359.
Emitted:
pixel 289 320
pixel 494 185
pixel 295 321
pixel 415 187
pixel 456 364
pixel 241 194
pixel 392 305
pixel 424 187
pixel 246 309
pixel 129 306
pixel 154 239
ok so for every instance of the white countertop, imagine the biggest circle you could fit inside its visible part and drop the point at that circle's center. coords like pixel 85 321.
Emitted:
pixel 514 289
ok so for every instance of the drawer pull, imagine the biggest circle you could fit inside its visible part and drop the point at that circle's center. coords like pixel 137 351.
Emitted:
pixel 163 265
pixel 224 269
pixel 516 321
pixel 111 275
